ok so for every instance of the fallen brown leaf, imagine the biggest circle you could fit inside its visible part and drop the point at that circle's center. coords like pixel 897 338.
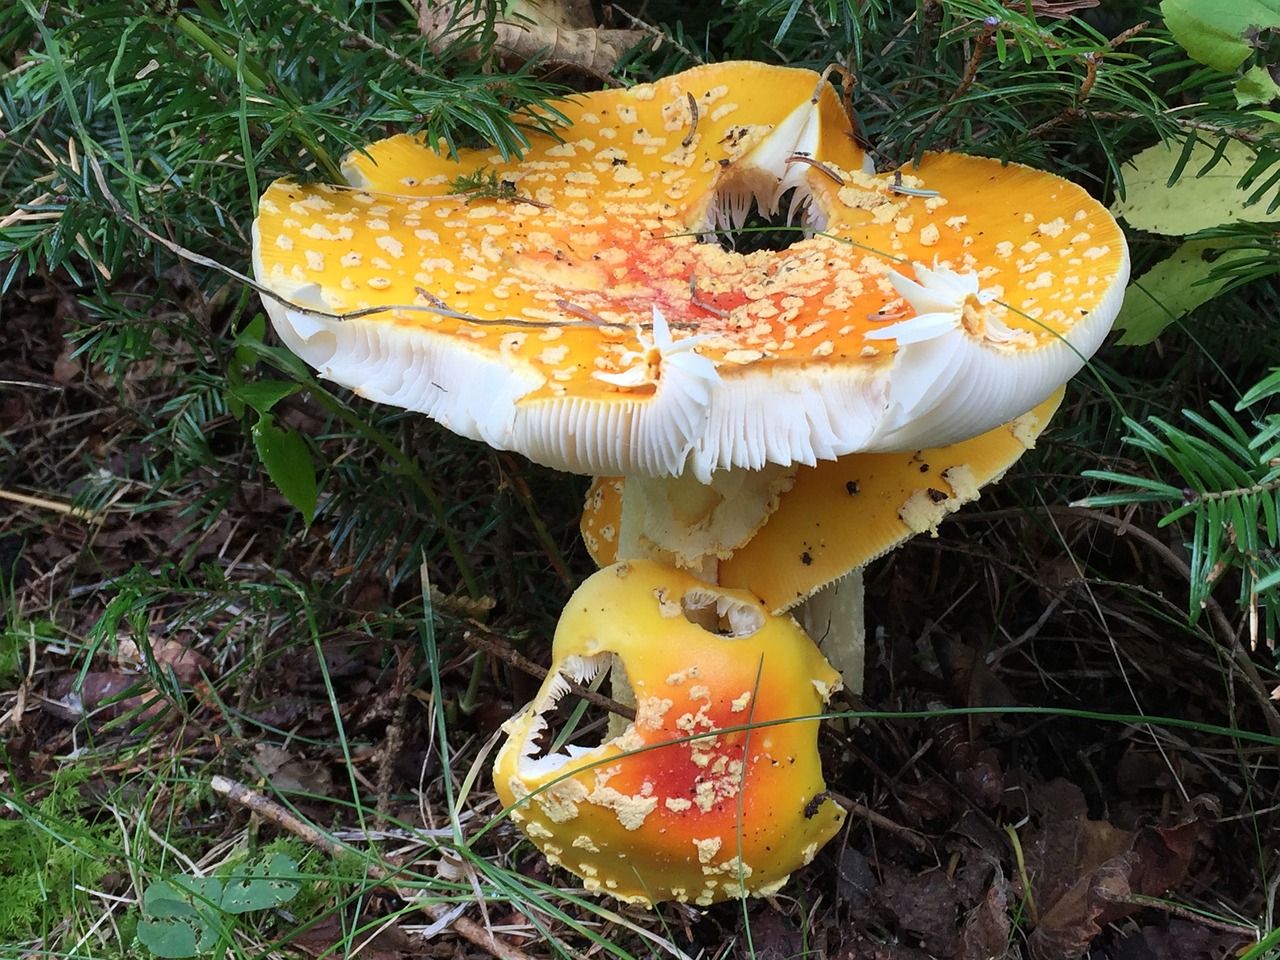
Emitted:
pixel 923 905
pixel 101 698
pixel 1138 770
pixel 291 774
pixel 387 942
pixel 1086 873
pixel 986 930
pixel 1180 940
pixel 68 368
pixel 188 665
pixel 563 32
pixel 774 937
pixel 1069 926
pixel 856 879
pixel 926 801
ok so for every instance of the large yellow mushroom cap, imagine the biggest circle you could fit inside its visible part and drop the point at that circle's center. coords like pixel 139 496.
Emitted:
pixel 716 790
pixel 575 313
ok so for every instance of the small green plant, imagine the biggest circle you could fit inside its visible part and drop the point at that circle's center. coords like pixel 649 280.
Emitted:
pixel 186 916
pixel 13 643
pixel 284 452
pixel 1226 480
pixel 15 632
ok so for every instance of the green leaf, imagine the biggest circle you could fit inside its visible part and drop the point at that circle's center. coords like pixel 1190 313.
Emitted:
pixel 1256 86
pixel 261 886
pixel 262 395
pixel 253 332
pixel 1219 33
pixel 1170 290
pixel 176 916
pixel 1269 582
pixel 288 461
pixel 1269 386
pixel 249 346
pixel 1192 202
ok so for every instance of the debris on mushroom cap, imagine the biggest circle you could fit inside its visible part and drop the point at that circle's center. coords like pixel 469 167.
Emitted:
pixel 706 796
pixel 572 312
pixel 840 514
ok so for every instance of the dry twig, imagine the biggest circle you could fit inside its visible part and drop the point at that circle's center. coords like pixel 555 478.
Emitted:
pixel 270 810
pixel 908 836
pixel 57 506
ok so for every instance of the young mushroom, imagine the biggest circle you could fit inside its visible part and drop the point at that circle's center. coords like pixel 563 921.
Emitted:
pixel 715 790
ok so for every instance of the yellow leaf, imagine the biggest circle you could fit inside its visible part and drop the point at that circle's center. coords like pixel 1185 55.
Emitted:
pixel 1193 202
pixel 1172 289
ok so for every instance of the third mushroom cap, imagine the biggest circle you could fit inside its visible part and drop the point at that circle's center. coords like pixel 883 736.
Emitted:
pixel 715 790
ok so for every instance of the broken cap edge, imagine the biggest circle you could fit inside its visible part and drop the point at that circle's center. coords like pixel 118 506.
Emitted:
pixel 843 514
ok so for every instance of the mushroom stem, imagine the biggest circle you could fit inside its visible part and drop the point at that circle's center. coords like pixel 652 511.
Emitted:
pixel 835 618
pixel 692 525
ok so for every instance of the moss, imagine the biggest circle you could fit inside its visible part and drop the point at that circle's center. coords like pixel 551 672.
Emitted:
pixel 49 859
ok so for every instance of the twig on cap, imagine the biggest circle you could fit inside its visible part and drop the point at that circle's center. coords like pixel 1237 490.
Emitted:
pixel 477 636
pixel 693 122
pixel 883 316
pixel 846 78
pixel 709 307
pixel 583 312
pixel 897 187
pixel 801 158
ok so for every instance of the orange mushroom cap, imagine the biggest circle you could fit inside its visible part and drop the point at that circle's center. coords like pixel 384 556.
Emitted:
pixel 574 314
pixel 714 791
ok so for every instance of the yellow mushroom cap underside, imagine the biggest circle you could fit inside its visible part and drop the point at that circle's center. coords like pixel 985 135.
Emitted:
pixel 709 794
pixel 843 513
pixel 574 314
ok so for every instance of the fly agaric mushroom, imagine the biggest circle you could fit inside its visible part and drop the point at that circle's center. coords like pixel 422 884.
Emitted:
pixel 568 305
pixel 572 312
pixel 716 789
